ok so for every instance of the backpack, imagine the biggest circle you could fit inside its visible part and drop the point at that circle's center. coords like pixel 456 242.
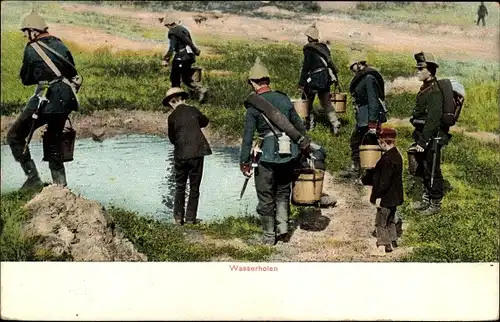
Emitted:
pixel 453 100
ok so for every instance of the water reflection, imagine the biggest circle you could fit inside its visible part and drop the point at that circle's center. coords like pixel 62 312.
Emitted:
pixel 136 172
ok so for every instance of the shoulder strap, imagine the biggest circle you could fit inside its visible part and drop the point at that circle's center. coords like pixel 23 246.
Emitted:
pixel 46 58
pixel 273 129
pixel 57 54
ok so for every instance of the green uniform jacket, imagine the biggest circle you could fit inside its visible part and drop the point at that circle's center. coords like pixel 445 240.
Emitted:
pixel 254 120
pixel 427 115
pixel 315 69
pixel 34 70
pixel 366 90
pixel 179 37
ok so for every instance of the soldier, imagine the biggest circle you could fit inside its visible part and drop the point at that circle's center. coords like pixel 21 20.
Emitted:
pixel 182 45
pixel 190 148
pixel 387 190
pixel 367 91
pixel 317 75
pixel 273 176
pixel 430 134
pixel 482 12
pixel 47 63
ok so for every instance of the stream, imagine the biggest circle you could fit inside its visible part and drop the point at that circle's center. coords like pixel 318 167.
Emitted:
pixel 134 172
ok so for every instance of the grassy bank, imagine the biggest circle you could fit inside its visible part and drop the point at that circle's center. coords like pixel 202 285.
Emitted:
pixel 466 229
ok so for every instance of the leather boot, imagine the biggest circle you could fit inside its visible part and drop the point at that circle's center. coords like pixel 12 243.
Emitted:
pixel 33 182
pixel 282 214
pixel 59 177
pixel 422 204
pixel 354 171
pixel 334 123
pixel 268 236
pixel 434 207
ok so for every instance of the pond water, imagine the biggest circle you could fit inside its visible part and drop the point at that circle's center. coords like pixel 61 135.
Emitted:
pixel 135 172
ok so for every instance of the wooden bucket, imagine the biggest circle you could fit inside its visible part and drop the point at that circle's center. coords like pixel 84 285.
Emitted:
pixel 369 155
pixel 307 187
pixel 68 144
pixel 339 101
pixel 196 74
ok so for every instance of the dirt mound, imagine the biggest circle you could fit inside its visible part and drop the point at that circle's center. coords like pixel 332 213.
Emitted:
pixel 76 228
pixel 403 85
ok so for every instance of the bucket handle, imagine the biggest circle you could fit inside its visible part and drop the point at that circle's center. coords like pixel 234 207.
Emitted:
pixel 336 88
pixel 301 91
pixel 362 140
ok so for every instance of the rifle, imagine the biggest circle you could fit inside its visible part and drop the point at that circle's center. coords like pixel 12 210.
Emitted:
pixel 256 151
pixel 40 91
pixel 434 157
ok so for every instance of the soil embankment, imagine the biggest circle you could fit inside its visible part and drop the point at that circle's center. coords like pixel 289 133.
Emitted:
pixel 74 228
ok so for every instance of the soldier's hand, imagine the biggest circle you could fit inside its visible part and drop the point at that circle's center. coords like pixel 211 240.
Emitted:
pixel 305 145
pixel 246 169
pixel 419 148
pixel 197 52
pixel 164 62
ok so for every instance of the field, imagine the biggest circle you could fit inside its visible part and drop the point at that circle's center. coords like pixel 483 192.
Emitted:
pixel 466 230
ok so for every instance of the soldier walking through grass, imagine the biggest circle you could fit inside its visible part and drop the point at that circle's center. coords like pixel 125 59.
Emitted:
pixel 482 12
pixel 317 75
pixel 190 148
pixel 430 134
pixel 367 91
pixel 184 53
pixel 48 64
pixel 274 174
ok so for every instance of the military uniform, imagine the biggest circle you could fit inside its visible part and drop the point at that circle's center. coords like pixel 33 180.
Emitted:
pixel 61 102
pixel 367 91
pixel 182 48
pixel 482 11
pixel 190 149
pixel 274 174
pixel 315 78
pixel 426 119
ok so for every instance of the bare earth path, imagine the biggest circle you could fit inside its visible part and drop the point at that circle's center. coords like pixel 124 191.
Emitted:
pixel 454 42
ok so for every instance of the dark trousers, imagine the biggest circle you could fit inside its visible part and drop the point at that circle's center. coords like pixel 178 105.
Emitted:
pixel 184 169
pixel 181 70
pixel 323 96
pixel 19 132
pixel 388 227
pixel 358 138
pixel 424 170
pixel 480 18
pixel 273 184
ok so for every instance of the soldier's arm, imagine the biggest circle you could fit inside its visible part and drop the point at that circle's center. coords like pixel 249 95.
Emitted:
pixel 172 44
pixel 246 144
pixel 26 73
pixel 373 102
pixel 435 110
pixel 305 67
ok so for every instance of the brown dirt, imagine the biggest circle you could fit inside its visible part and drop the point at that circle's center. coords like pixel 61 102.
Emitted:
pixel 75 228
pixel 481 136
pixel 347 235
pixel 454 42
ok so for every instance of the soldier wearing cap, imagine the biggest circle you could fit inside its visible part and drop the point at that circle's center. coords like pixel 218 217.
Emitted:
pixel 273 176
pixel 181 44
pixel 190 148
pixel 367 91
pixel 317 75
pixel 426 119
pixel 387 191
pixel 60 95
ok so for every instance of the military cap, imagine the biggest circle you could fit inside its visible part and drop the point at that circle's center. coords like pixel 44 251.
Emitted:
pixel 424 59
pixel 258 70
pixel 312 32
